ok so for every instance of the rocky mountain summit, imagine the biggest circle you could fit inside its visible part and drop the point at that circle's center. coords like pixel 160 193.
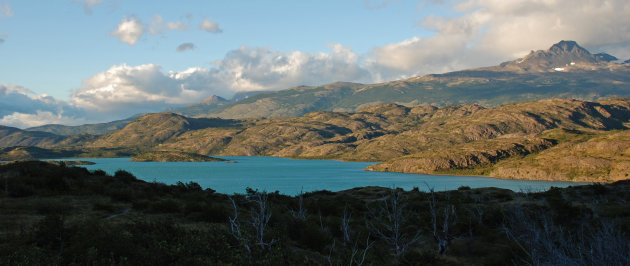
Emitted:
pixel 561 56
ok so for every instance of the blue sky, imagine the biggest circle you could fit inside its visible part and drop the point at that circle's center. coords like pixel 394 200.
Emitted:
pixel 84 61
pixel 62 44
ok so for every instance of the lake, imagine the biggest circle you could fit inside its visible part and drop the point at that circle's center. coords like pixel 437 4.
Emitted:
pixel 289 176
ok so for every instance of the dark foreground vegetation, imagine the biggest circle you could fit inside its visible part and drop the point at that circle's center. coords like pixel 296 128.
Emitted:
pixel 56 214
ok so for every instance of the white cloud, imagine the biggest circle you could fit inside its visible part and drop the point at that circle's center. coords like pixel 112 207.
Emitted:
pixel 20 107
pixel 88 4
pixel 5 10
pixel 210 26
pixel 125 90
pixel 486 32
pixel 129 31
pixel 249 69
pixel 26 120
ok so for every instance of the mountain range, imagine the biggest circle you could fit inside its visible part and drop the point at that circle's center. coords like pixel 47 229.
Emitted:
pixel 565 70
pixel 494 121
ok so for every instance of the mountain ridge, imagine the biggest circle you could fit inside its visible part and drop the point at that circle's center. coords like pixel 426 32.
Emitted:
pixel 564 70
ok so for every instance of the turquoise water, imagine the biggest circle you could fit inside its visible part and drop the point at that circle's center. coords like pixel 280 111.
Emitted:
pixel 289 176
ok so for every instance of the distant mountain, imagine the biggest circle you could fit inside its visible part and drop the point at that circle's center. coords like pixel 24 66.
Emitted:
pixel 211 103
pixel 562 55
pixel 206 105
pixel 565 70
pixel 92 129
pixel 10 136
pixel 606 57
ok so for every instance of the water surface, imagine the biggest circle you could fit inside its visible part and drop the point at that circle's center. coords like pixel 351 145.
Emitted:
pixel 289 176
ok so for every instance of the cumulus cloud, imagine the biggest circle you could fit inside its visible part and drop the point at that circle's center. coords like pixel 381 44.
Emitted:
pixel 210 26
pixel 187 46
pixel 5 10
pixel 486 32
pixel 249 69
pixel 88 4
pixel 129 31
pixel 125 90
pixel 20 107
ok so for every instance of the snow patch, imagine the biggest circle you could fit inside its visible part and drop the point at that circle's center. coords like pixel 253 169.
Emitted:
pixel 559 69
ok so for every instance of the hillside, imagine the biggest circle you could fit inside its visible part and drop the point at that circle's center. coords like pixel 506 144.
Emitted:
pixel 565 70
pixel 53 214
pixel 10 136
pixel 453 137
pixel 462 139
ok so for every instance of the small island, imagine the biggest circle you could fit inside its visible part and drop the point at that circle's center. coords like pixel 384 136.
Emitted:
pixel 174 156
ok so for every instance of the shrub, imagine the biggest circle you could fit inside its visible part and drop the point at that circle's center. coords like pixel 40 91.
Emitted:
pixel 125 176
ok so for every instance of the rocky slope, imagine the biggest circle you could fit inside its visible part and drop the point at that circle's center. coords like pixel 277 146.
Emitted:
pixel 529 140
pixel 468 138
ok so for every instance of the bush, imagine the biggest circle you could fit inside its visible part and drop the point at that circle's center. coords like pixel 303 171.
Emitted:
pixel 125 176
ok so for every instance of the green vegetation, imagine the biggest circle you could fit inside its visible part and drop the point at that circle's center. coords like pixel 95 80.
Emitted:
pixel 55 214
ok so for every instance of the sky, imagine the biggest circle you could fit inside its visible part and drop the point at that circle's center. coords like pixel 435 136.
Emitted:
pixel 84 61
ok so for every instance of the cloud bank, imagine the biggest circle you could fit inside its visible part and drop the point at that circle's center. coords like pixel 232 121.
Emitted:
pixel 20 107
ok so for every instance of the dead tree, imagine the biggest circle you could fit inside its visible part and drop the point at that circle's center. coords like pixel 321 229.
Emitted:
pixel 300 213
pixel 345 224
pixel 389 222
pixel 346 256
pixel 260 216
pixel 235 228
pixel 443 236
pixel 356 250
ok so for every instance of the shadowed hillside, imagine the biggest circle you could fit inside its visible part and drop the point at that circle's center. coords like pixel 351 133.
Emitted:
pixel 55 214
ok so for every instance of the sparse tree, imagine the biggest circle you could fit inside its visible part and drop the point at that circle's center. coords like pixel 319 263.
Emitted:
pixel 345 224
pixel 443 236
pixel 389 222
pixel 300 213
pixel 260 216
pixel 235 228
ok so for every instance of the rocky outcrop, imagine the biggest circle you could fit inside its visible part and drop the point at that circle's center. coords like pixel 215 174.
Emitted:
pixel 469 155
pixel 173 156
